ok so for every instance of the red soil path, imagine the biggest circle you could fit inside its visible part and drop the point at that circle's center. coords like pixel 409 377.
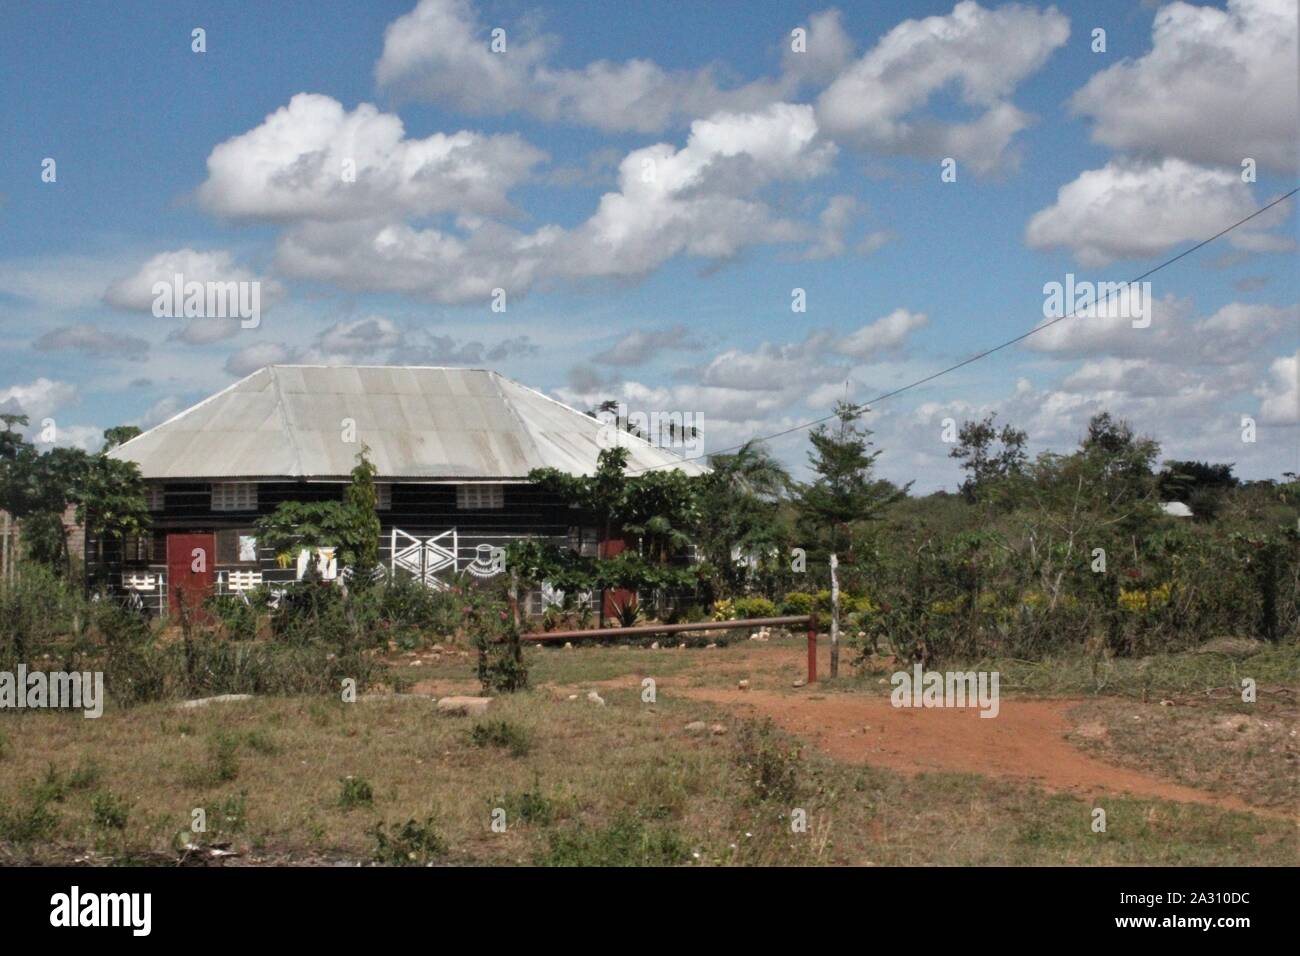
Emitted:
pixel 1026 741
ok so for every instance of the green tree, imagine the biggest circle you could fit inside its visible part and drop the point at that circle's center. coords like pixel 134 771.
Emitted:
pixel 740 507
pixel 658 508
pixel 119 435
pixel 351 525
pixel 110 501
pixel 988 468
pixel 364 503
pixel 843 495
pixel 1200 485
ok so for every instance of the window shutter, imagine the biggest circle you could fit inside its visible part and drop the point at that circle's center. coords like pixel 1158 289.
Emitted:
pixel 234 496
pixel 478 497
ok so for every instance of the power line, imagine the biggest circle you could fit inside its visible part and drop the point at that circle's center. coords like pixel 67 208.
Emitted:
pixel 866 406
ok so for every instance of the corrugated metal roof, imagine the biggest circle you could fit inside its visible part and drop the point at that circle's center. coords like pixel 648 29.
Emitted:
pixel 418 422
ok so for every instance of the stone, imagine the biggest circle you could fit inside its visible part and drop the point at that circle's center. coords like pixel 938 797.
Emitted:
pixel 219 699
pixel 717 730
pixel 709 646
pixel 568 645
pixel 595 698
pixel 681 647
pixel 743 685
pixel 696 727
pixel 654 646
pixel 797 683
pixel 472 706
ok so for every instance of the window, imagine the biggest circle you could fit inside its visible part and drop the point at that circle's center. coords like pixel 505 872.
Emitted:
pixel 236 546
pixel 584 541
pixel 154 497
pixel 138 548
pixel 234 496
pixel 475 497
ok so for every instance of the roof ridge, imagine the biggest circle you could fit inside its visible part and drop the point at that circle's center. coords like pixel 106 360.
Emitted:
pixel 289 426
pixel 569 408
pixel 508 401
pixel 193 408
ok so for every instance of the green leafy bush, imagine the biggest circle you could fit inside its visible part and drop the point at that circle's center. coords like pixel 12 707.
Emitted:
pixel 501 733
pixel 754 607
pixel 108 811
pixel 501 665
pixel 411 844
pixel 355 792
pixel 797 602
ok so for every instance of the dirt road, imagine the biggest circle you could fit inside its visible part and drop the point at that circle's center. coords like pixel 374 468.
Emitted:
pixel 1026 741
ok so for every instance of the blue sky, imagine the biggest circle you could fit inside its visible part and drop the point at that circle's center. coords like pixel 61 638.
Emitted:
pixel 770 171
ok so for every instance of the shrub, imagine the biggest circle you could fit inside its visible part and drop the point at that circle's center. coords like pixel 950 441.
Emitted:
pixel 501 664
pixel 627 611
pixel 797 602
pixel 411 844
pixel 355 792
pixel 141 669
pixel 501 733
pixel 223 757
pixel 28 824
pixel 754 607
pixel 236 619
pixel 109 812
pixel 408 609
pixel 531 807
pixel 768 764
pixel 37 609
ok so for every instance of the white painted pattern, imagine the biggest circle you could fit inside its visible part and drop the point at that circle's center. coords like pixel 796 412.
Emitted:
pixel 424 557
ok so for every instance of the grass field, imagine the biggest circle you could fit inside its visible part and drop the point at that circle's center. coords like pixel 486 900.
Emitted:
pixel 310 780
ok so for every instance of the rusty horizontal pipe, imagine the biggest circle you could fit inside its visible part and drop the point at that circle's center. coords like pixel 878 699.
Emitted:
pixel 642 629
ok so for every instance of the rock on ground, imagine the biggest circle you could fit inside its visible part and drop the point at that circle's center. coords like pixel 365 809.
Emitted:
pixel 465 705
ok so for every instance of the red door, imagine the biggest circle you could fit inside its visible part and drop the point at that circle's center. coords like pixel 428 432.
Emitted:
pixel 191 560
pixel 618 597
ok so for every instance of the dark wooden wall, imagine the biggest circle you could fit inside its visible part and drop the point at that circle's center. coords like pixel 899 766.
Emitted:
pixel 420 510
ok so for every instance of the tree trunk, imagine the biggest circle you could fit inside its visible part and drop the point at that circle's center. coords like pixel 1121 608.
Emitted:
pixel 835 615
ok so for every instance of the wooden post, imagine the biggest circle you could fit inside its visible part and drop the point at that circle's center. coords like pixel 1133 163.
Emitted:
pixel 514 597
pixel 812 648
pixel 835 615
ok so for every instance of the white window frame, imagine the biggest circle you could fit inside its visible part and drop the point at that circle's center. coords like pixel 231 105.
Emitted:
pixel 155 497
pixel 483 496
pixel 234 496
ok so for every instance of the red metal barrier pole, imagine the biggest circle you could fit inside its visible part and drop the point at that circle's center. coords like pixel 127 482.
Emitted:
pixel 812 648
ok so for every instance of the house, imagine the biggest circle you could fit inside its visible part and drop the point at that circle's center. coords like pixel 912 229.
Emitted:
pixel 452 448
